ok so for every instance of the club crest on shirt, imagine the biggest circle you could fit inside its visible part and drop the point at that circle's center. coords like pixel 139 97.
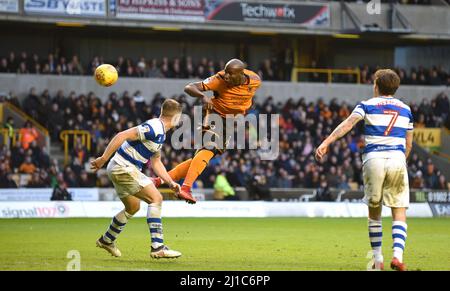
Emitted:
pixel 207 80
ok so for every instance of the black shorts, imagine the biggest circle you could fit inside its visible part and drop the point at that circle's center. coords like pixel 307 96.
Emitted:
pixel 217 137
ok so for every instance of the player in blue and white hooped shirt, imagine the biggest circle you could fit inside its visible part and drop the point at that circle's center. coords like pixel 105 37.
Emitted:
pixel 388 130
pixel 133 148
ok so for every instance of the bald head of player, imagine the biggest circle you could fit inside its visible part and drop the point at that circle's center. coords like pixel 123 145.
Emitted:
pixel 234 72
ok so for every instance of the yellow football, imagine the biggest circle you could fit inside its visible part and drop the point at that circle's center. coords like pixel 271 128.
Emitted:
pixel 106 75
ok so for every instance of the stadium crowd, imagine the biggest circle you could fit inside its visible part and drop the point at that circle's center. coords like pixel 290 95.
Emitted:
pixel 277 68
pixel 303 125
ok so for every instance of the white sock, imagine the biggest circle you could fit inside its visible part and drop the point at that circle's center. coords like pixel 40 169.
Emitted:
pixel 399 237
pixel 376 238
pixel 155 225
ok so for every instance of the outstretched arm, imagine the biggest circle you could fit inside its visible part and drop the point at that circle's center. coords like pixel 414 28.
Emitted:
pixel 341 130
pixel 114 144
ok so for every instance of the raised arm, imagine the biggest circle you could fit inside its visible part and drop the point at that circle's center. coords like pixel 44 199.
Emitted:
pixel 341 130
pixel 196 89
pixel 114 144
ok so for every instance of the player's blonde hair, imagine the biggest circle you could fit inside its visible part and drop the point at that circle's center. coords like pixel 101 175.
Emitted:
pixel 170 107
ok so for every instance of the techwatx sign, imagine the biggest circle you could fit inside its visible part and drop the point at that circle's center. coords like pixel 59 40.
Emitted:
pixel 301 14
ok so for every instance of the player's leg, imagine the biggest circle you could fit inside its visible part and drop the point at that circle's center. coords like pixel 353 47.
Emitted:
pixel 153 197
pixel 373 174
pixel 198 165
pixel 118 223
pixel 125 186
pixel 399 229
pixel 190 170
pixel 376 236
pixel 215 141
pixel 396 196
pixel 177 173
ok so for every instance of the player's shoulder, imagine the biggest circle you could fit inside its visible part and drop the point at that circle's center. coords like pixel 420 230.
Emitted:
pixel 404 105
pixel 218 77
pixel 254 77
pixel 373 101
pixel 155 125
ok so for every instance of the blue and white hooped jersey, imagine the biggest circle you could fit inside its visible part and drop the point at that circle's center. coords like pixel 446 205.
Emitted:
pixel 386 122
pixel 138 152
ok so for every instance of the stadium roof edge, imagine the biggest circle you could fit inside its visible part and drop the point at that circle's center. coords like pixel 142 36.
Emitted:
pixel 175 25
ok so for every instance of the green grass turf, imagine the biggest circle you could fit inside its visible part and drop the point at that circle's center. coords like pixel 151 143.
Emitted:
pixel 220 244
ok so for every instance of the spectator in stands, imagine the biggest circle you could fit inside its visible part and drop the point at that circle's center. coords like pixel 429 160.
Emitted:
pixel 442 183
pixel 55 121
pixel 4 68
pixel 51 63
pixel 323 192
pixel 23 58
pixel 287 64
pixel 266 72
pixel 343 183
pixel 12 62
pixel 23 68
pixel 70 178
pixel 36 182
pixel 63 65
pixel 417 181
pixel 176 70
pixel 60 192
pixel 58 70
pixel 153 70
pixel 27 167
pixel 257 188
pixel 222 188
pixel 6 181
pixel 130 72
pixel 332 177
pixel 77 68
pixel 284 181
pixel 85 181
pixel 34 60
pixel 431 179
pixel 189 69
pixel 28 134
pixel 141 68
pixel 31 103
pixel 9 126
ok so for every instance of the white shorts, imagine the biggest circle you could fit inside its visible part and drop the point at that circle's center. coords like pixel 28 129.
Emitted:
pixel 386 181
pixel 127 179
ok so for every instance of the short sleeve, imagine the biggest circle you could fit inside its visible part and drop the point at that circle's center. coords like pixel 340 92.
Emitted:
pixel 360 109
pixel 145 132
pixel 212 83
pixel 411 122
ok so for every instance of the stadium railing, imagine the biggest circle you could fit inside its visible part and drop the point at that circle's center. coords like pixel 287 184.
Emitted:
pixel 329 72
pixel 9 110
pixel 67 135
pixel 10 141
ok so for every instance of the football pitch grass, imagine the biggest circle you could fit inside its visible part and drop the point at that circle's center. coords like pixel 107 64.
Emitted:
pixel 220 244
